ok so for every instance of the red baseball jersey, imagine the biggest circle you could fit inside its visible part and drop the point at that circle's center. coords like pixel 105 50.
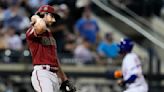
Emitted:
pixel 42 48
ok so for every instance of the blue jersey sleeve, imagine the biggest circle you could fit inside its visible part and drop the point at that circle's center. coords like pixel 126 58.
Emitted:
pixel 78 24
pixel 97 27
pixel 131 79
pixel 100 48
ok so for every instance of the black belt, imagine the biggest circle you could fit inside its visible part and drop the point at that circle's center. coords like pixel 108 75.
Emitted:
pixel 52 69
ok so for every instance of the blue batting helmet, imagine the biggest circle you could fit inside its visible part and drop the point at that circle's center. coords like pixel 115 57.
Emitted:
pixel 126 45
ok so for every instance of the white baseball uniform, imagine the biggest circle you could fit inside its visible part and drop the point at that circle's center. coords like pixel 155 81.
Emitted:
pixel 132 65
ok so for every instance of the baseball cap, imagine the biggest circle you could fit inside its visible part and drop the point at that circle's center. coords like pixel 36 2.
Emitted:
pixel 48 9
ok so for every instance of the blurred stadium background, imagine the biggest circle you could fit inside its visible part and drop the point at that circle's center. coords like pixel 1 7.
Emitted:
pixel 83 60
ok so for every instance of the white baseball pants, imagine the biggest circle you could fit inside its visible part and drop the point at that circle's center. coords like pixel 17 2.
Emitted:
pixel 44 80
pixel 137 89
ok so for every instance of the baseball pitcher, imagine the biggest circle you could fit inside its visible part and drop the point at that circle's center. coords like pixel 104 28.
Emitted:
pixel 42 45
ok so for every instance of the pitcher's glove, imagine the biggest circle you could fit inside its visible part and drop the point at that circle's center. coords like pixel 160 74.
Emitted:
pixel 67 86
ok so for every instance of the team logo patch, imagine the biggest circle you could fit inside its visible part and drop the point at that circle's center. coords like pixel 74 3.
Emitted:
pixel 45 8
pixel 48 41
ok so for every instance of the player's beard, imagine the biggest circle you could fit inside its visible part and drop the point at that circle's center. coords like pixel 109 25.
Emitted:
pixel 49 24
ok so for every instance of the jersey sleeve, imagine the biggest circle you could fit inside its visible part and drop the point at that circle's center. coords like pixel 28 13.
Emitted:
pixel 31 33
pixel 100 48
pixel 134 66
pixel 97 26
pixel 78 24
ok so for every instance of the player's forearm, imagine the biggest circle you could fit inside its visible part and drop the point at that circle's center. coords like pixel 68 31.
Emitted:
pixel 61 73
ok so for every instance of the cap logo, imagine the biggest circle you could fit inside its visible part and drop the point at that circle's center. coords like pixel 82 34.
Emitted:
pixel 45 8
